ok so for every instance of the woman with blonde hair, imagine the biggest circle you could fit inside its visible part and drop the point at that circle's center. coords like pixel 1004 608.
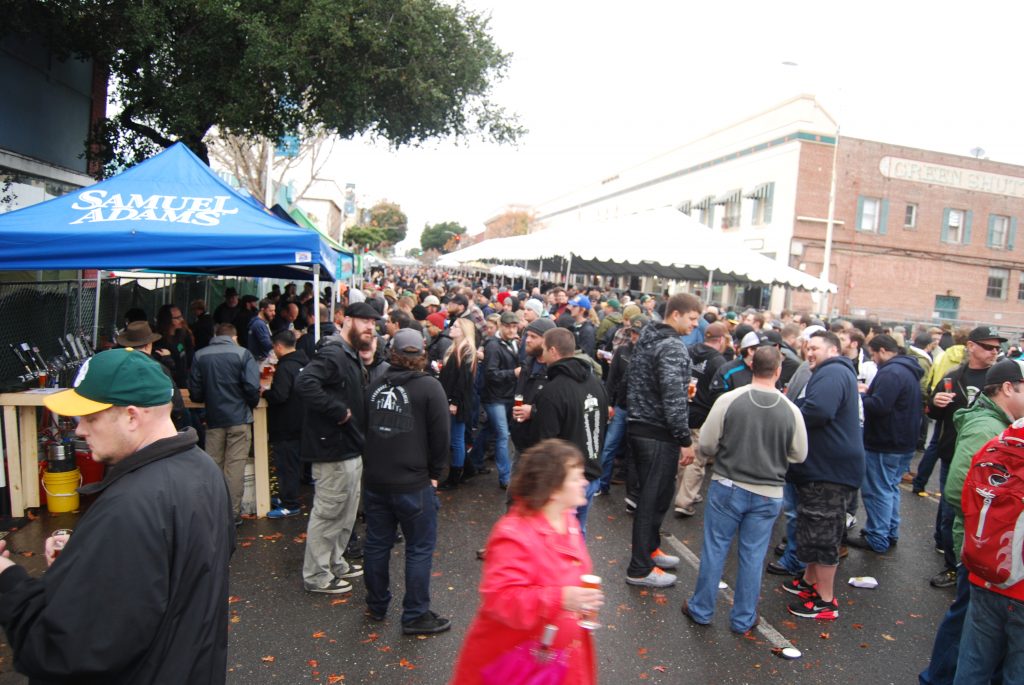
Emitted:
pixel 458 372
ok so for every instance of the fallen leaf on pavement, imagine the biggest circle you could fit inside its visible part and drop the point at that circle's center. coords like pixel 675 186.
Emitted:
pixel 436 574
pixel 27 554
pixel 233 599
pixel 660 598
pixel 313 663
pixel 245 544
pixel 336 602
pixel 267 659
pixel 864 645
pixel 825 636
pixel 660 669
pixel 236 619
pixel 644 593
pixel 642 651
pixel 372 637
pixel 857 626
pixel 405 663
pixel 319 634
pixel 332 679
pixel 890 638
pixel 384 649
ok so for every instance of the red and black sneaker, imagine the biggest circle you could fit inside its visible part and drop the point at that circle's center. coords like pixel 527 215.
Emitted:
pixel 816 607
pixel 801 589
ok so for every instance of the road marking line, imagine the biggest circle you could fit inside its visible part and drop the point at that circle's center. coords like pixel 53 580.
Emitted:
pixel 764 627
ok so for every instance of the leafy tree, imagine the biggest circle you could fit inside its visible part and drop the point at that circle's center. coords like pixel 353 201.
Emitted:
pixel 440 236
pixel 509 223
pixel 405 71
pixel 369 237
pixel 392 221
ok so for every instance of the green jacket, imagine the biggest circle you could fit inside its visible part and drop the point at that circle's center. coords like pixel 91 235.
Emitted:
pixel 613 319
pixel 949 360
pixel 975 426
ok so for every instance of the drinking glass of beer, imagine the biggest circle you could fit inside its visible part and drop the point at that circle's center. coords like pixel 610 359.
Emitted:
pixel 588 618
pixel 947 384
pixel 58 545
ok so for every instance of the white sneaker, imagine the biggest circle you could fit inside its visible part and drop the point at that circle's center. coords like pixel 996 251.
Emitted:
pixel 337 586
pixel 662 560
pixel 349 570
pixel 630 504
pixel 656 578
pixel 851 521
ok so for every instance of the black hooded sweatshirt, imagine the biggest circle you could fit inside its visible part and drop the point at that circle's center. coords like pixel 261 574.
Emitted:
pixel 408 432
pixel 573 406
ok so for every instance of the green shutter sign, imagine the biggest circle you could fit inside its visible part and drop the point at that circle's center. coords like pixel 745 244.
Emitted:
pixel 990 241
pixel 860 212
pixel 945 225
pixel 1013 233
pixel 883 219
pixel 967 227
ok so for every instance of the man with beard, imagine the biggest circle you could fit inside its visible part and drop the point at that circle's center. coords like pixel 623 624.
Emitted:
pixel 259 342
pixel 332 387
pixel 530 381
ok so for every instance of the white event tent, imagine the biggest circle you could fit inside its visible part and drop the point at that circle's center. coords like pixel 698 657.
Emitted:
pixel 661 242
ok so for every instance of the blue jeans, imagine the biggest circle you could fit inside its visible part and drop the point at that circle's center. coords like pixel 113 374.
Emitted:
pixel 497 422
pixel 458 443
pixel 732 512
pixel 612 442
pixel 656 466
pixel 788 560
pixel 881 494
pixel 581 511
pixel 416 513
pixel 927 463
pixel 289 471
pixel 993 635
pixel 942 666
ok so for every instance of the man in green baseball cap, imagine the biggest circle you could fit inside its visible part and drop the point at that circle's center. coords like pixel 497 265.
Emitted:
pixel 150 555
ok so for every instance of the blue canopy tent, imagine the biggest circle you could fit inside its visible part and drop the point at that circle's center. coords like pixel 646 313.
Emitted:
pixel 171 213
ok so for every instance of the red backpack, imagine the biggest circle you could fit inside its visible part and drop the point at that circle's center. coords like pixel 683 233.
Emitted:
pixel 993 505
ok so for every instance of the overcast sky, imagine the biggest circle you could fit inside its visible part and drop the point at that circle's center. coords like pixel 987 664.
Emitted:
pixel 604 85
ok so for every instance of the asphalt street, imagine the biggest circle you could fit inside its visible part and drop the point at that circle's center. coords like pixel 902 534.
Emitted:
pixel 281 634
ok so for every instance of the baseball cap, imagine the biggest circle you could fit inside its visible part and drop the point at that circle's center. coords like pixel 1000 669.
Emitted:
pixel 753 339
pixel 540 326
pixel 985 333
pixel 638 322
pixel 509 317
pixel 811 330
pixel 1007 370
pixel 613 303
pixel 437 320
pixel 730 315
pixel 431 300
pixel 459 299
pixel 580 301
pixel 115 378
pixel 230 292
pixel 407 341
pixel 773 337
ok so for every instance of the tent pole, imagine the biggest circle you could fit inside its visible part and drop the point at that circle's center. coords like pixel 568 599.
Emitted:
pixel 711 277
pixel 568 270
pixel 316 289
pixel 96 312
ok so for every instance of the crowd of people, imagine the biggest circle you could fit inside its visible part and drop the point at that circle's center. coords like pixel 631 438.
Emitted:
pixel 420 380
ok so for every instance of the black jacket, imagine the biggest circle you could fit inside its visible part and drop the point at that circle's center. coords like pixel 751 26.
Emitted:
pixel 966 393
pixel 457 381
pixel 140 592
pixel 659 373
pixel 706 362
pixel 729 376
pixel 227 379
pixel 437 348
pixel 573 406
pixel 586 337
pixel 308 342
pixel 531 380
pixel 332 384
pixel 408 432
pixel 500 362
pixel 617 381
pixel 284 406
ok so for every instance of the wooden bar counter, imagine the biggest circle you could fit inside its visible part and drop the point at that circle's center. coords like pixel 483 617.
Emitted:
pixel 21 430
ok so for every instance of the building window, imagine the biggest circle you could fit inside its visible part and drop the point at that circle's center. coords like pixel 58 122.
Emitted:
pixel 1002 231
pixel 872 214
pixel 956 226
pixel 762 196
pixel 947 307
pixel 732 213
pixel 997 282
pixel 1020 288
pixel 910 217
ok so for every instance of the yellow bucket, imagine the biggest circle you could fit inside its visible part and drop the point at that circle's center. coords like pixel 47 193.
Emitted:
pixel 62 490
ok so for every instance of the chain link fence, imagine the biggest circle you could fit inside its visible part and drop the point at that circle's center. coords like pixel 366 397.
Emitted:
pixel 41 314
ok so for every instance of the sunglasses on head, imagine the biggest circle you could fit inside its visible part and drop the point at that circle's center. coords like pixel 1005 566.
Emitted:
pixel 986 346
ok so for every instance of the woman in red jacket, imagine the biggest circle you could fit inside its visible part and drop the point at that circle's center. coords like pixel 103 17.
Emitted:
pixel 531 577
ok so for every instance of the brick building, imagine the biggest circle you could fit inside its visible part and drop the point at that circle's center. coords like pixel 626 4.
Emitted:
pixel 918 235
